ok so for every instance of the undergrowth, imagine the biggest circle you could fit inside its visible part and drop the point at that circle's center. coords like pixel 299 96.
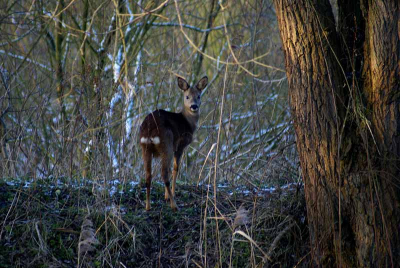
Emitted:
pixel 65 226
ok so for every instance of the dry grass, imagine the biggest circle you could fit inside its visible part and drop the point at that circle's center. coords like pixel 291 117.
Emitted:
pixel 50 226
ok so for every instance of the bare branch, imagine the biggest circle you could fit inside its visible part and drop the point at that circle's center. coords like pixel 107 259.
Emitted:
pixel 191 27
pixel 27 59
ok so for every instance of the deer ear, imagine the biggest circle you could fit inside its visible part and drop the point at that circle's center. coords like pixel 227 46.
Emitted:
pixel 202 83
pixel 182 84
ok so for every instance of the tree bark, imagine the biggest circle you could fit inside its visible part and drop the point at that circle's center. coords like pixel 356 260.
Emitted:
pixel 344 98
pixel 59 38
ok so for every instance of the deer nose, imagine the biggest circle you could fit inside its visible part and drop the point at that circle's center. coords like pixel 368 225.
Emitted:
pixel 194 107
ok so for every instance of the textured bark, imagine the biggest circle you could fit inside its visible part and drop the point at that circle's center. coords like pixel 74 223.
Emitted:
pixel 344 97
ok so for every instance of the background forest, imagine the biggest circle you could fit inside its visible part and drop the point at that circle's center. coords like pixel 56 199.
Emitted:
pixel 78 78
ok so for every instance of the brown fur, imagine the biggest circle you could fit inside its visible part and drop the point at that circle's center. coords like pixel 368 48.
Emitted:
pixel 165 134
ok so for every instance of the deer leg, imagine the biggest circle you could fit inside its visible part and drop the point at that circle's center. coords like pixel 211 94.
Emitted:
pixel 147 157
pixel 165 167
pixel 177 158
pixel 166 196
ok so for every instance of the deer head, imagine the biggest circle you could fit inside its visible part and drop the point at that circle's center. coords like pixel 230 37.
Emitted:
pixel 192 95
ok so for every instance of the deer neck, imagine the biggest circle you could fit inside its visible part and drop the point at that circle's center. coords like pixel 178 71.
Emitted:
pixel 191 118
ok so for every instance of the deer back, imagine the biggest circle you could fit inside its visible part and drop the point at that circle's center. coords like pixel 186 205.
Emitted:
pixel 160 123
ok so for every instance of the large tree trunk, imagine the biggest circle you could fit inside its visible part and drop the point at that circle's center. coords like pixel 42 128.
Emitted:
pixel 344 95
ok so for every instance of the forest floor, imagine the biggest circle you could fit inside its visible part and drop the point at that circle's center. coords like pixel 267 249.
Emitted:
pixel 47 224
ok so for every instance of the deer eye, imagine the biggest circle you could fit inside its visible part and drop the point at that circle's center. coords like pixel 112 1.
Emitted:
pixel 198 97
pixel 187 97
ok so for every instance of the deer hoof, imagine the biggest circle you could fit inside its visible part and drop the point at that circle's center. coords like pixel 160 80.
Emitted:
pixel 174 207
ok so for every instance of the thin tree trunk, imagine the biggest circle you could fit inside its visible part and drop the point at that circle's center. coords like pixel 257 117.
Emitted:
pixel 199 56
pixel 58 59
pixel 344 85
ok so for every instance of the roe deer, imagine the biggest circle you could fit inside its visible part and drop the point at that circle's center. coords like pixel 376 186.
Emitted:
pixel 165 134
